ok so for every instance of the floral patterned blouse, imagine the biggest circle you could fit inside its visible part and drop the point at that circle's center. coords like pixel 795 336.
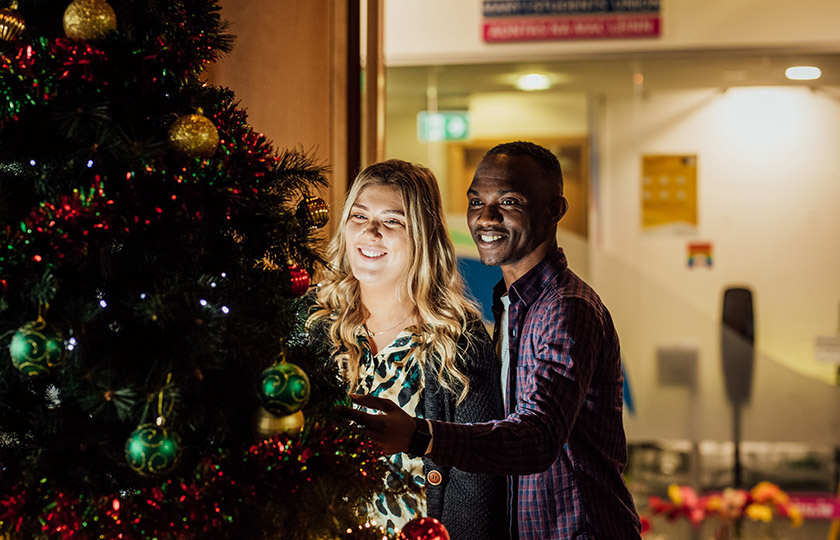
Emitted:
pixel 394 373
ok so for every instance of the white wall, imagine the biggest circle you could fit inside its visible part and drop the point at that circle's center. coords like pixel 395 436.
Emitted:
pixel 768 190
pixel 542 114
pixel 447 31
pixel 768 196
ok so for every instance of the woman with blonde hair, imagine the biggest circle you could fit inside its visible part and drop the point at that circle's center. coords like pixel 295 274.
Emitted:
pixel 394 310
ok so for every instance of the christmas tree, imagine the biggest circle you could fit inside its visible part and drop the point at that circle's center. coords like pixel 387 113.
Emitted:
pixel 159 380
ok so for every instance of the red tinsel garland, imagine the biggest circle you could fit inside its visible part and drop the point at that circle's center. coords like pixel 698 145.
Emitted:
pixel 213 499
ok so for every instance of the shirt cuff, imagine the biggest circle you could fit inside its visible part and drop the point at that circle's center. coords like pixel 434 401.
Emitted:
pixel 451 443
pixel 431 439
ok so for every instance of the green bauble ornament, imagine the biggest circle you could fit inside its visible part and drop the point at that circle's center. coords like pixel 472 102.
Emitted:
pixel 152 450
pixel 36 349
pixel 283 388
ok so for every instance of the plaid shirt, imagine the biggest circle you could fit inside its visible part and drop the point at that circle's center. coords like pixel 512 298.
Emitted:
pixel 564 439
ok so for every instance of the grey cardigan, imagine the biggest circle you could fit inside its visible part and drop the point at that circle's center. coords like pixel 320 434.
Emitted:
pixel 471 506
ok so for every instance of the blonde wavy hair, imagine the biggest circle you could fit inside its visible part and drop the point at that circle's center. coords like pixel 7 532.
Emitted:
pixel 432 282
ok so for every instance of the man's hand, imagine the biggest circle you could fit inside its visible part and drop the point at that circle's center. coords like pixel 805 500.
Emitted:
pixel 392 430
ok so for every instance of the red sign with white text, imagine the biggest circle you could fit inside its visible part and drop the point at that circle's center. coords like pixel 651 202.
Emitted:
pixel 817 505
pixel 574 27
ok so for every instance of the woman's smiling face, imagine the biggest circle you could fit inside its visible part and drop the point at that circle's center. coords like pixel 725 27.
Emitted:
pixel 376 237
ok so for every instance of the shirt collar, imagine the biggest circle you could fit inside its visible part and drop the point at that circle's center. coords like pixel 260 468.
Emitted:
pixel 530 286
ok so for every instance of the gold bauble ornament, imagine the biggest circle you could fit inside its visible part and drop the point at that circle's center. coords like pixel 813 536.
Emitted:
pixel 89 19
pixel 193 135
pixel 265 425
pixel 11 23
pixel 313 211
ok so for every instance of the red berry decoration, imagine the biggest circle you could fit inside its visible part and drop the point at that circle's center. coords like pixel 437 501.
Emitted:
pixel 424 529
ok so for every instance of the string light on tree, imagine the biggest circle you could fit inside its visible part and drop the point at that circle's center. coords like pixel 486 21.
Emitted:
pixel 11 23
pixel 89 19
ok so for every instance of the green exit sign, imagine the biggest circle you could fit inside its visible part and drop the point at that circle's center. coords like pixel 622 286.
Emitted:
pixel 443 126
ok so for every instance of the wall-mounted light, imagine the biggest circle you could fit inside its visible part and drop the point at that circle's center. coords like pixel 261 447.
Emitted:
pixel 533 81
pixel 803 73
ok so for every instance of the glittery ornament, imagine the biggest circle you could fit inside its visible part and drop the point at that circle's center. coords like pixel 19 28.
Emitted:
pixel 89 19
pixel 265 425
pixel 152 450
pixel 11 23
pixel 313 211
pixel 283 388
pixel 298 280
pixel 424 529
pixel 193 136
pixel 35 349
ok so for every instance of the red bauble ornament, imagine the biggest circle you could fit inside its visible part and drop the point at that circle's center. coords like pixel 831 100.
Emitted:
pixel 424 529
pixel 298 280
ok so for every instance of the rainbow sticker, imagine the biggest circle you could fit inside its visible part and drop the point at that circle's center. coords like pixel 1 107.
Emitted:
pixel 700 254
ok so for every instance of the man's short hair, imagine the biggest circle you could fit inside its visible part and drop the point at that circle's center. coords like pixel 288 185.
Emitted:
pixel 543 157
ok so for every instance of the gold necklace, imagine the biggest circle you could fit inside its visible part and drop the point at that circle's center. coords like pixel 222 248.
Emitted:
pixel 372 334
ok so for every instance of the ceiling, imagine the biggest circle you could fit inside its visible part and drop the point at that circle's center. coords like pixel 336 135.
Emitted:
pixel 723 69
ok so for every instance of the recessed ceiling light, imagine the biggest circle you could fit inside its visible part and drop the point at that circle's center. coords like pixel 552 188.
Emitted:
pixel 533 81
pixel 803 73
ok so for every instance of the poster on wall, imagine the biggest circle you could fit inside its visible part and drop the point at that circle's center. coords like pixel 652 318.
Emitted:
pixel 669 193
pixel 552 20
